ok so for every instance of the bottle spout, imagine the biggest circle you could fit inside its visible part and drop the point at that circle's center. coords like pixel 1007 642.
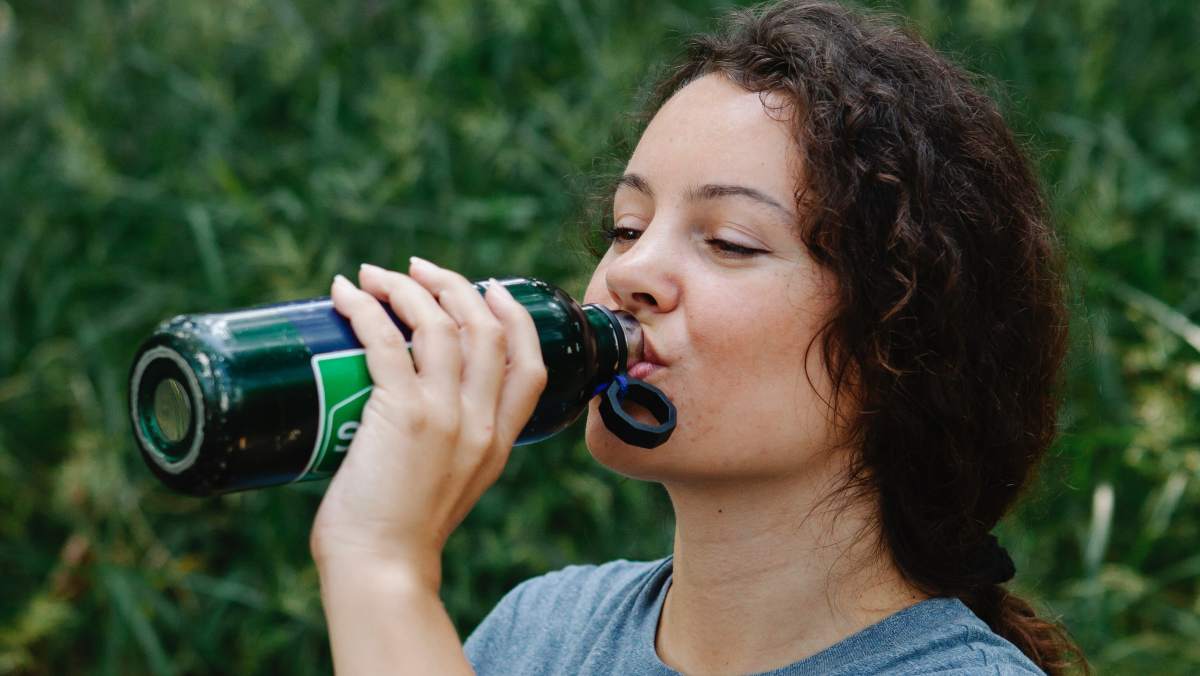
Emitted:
pixel 632 329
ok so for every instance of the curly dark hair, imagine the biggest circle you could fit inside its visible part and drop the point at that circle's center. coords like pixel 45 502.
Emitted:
pixel 948 335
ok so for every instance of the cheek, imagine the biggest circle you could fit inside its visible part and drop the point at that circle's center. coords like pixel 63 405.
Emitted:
pixel 597 289
pixel 758 391
pixel 752 368
pixel 748 338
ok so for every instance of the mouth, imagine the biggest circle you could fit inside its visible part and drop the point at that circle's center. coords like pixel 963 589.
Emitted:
pixel 643 369
pixel 643 359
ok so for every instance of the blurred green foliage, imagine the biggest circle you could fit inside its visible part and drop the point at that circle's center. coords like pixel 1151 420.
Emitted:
pixel 166 157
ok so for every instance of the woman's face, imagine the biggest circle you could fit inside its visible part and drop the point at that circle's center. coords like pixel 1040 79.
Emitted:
pixel 732 328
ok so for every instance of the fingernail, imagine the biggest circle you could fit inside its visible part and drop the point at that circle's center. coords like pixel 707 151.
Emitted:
pixel 338 279
pixel 493 284
pixel 420 263
pixel 368 266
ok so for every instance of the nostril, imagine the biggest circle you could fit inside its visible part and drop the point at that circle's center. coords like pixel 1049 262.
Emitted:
pixel 645 298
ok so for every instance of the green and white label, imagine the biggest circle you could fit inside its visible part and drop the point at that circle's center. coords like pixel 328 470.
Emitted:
pixel 343 386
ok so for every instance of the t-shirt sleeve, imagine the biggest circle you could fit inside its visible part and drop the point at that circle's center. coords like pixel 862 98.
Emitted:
pixel 522 617
pixel 486 643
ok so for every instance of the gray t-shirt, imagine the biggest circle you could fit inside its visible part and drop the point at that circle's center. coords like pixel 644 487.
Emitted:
pixel 603 619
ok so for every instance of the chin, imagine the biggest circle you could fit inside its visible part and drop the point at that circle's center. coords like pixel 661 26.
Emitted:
pixel 705 456
pixel 644 464
pixel 680 459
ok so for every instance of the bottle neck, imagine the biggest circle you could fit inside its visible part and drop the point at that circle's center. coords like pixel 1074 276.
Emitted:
pixel 618 340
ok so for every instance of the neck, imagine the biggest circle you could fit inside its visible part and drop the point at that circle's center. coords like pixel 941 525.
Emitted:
pixel 768 572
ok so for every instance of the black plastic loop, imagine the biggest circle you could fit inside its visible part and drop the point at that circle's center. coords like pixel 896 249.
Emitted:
pixel 625 426
pixel 994 564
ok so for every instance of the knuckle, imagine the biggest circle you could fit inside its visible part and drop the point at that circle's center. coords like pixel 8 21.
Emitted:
pixel 487 333
pixel 445 424
pixel 431 425
pixel 393 340
pixel 480 439
pixel 418 421
pixel 443 325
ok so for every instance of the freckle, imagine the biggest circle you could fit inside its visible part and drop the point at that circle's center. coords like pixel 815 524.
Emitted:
pixel 720 511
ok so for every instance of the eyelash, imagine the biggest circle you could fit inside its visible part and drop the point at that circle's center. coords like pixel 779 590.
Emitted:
pixel 609 233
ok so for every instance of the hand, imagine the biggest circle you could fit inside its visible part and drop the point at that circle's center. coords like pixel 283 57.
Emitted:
pixel 439 424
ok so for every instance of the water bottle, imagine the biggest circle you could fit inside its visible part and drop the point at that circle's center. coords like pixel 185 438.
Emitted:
pixel 273 394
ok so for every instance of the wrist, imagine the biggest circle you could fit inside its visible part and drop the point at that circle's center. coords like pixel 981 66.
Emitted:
pixel 403 573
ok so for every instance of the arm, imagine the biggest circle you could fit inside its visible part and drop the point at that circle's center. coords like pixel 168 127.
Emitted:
pixel 436 432
pixel 382 619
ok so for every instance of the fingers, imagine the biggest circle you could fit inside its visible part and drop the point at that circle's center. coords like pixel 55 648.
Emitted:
pixel 526 370
pixel 483 336
pixel 490 343
pixel 524 382
pixel 388 360
pixel 480 356
pixel 435 344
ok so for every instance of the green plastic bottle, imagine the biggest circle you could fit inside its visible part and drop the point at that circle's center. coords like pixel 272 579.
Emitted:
pixel 274 394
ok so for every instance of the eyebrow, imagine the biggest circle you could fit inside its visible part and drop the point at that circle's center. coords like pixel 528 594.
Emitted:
pixel 710 191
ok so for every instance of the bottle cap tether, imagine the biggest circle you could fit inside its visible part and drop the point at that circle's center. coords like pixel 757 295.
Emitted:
pixel 624 425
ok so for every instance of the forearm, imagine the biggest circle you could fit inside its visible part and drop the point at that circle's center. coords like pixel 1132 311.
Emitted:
pixel 382 620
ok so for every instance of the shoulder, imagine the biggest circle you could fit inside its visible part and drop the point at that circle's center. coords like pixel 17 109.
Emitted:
pixel 942 636
pixel 589 585
pixel 552 612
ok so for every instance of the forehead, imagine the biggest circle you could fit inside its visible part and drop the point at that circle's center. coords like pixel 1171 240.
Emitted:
pixel 713 131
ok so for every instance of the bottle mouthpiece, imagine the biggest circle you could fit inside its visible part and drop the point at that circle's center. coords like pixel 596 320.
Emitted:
pixel 633 337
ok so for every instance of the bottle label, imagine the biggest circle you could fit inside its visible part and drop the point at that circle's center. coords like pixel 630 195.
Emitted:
pixel 343 386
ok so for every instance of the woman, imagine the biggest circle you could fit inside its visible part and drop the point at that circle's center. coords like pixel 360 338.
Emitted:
pixel 841 259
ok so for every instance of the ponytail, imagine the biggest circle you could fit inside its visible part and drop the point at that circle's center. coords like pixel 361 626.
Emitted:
pixel 1045 643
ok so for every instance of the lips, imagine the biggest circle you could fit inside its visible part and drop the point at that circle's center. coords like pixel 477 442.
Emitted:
pixel 641 346
pixel 650 362
pixel 642 370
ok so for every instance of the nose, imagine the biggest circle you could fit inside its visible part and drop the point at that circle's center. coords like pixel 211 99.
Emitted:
pixel 644 278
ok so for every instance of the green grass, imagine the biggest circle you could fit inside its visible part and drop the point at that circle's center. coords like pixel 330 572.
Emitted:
pixel 158 158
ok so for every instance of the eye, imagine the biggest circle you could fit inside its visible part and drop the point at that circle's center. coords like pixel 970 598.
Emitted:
pixel 722 247
pixel 610 233
pixel 731 249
